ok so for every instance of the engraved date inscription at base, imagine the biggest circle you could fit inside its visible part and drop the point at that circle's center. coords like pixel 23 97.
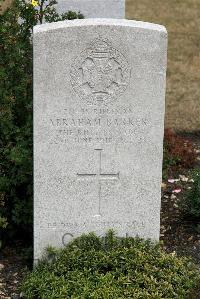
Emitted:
pixel 100 73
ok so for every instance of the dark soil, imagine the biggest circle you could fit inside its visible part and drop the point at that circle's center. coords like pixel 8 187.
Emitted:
pixel 13 268
pixel 179 233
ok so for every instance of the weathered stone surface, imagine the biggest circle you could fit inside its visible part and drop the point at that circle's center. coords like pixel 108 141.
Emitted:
pixel 94 8
pixel 99 89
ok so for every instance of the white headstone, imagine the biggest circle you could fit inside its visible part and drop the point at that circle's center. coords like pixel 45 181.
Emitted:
pixel 99 98
pixel 94 8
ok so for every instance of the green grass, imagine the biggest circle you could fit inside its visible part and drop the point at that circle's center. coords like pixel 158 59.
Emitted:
pixel 182 20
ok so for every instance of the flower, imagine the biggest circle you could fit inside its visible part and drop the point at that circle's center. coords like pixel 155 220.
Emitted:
pixel 34 3
pixel 176 190
pixel 173 180
pixel 183 178
pixel 163 185
pixel 173 253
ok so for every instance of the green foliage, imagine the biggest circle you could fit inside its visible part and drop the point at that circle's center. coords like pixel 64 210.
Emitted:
pixel 110 267
pixel 16 98
pixel 192 201
pixel 178 153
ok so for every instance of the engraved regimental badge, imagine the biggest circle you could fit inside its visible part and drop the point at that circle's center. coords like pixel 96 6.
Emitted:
pixel 100 73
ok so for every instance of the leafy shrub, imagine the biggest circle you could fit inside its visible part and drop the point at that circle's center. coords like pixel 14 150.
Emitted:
pixel 110 267
pixel 178 152
pixel 192 200
pixel 16 78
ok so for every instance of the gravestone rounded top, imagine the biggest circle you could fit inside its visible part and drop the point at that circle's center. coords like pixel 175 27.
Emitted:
pixel 100 22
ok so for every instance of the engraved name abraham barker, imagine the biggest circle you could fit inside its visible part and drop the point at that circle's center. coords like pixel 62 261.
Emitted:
pixel 100 73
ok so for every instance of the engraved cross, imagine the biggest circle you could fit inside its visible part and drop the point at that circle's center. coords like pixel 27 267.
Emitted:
pixel 100 176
